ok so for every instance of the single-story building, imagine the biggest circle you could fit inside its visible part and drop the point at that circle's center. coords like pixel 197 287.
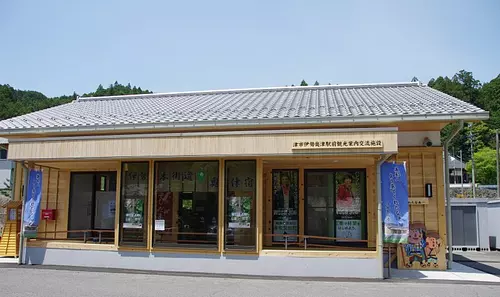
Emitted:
pixel 458 173
pixel 271 181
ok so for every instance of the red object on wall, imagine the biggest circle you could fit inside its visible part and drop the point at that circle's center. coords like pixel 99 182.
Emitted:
pixel 48 214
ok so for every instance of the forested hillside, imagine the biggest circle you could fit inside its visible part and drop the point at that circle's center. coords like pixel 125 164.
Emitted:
pixel 16 102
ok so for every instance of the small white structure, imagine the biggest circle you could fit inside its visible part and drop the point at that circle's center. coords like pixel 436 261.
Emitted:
pixel 475 224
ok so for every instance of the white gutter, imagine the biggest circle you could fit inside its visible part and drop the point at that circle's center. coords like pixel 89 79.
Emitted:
pixel 248 123
pixel 380 230
pixel 449 235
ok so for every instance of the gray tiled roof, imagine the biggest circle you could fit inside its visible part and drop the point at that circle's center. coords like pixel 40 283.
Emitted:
pixel 287 105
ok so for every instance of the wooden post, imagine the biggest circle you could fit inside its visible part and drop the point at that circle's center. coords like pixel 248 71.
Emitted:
pixel 117 203
pixel 260 203
pixel 149 213
pixel 220 220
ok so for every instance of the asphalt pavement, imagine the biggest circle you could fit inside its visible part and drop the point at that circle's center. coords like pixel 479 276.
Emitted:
pixel 488 262
pixel 27 281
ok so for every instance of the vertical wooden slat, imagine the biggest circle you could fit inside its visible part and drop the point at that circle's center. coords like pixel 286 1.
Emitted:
pixel 268 194
pixel 149 215
pixel 47 193
pixel 371 205
pixel 18 181
pixel 222 191
pixel 301 202
pixel 57 203
pixel 260 203
pixel 117 204
pixel 64 190
pixel 423 185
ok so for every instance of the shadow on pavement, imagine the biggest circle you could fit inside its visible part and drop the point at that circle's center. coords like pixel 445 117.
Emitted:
pixel 479 265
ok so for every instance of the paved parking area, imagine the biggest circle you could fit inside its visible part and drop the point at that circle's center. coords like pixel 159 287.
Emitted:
pixel 488 262
pixel 28 281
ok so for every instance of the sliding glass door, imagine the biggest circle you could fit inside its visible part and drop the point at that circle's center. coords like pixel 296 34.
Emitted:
pixel 335 208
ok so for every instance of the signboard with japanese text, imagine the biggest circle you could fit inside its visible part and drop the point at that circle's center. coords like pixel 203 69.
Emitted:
pixel 31 217
pixel 395 203
pixel 339 144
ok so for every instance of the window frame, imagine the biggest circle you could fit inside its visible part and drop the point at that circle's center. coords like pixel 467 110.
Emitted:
pixel 191 247
pixel 95 175
pixel 144 244
pixel 253 248
pixel 364 205
pixel 299 186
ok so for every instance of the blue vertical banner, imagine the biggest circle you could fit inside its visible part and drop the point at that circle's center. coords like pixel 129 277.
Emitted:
pixel 32 201
pixel 394 202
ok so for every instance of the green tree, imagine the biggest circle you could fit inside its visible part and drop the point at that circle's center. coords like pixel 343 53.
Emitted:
pixel 414 79
pixel 485 161
pixel 465 87
pixel 17 102
pixel 489 99
pixel 116 89
pixel 316 83
pixel 303 83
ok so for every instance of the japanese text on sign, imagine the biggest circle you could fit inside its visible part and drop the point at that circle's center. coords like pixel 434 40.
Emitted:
pixel 337 144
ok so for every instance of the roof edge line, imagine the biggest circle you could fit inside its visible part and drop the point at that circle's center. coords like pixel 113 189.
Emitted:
pixel 254 123
pixel 244 90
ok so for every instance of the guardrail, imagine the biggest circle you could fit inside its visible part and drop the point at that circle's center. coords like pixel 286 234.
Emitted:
pixel 86 235
pixel 313 242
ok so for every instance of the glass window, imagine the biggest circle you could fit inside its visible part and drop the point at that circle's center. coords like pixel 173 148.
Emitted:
pixel 335 207
pixel 285 205
pixel 3 154
pixel 186 204
pixel 240 205
pixel 134 196
pixel 92 206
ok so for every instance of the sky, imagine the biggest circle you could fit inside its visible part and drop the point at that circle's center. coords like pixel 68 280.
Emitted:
pixel 61 47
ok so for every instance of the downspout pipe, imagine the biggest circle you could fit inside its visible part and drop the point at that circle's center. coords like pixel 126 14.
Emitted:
pixel 449 237
pixel 23 198
pixel 380 230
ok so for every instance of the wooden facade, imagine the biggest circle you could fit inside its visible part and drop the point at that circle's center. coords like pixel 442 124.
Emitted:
pixel 58 158
pixel 197 145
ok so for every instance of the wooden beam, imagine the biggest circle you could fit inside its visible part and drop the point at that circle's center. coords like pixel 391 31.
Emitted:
pixel 260 204
pixel 222 194
pixel 149 213
pixel 117 204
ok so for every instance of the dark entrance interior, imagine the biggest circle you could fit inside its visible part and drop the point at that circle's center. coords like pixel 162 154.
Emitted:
pixel 92 206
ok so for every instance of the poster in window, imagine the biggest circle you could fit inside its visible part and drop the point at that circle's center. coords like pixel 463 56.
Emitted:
pixel 239 206
pixel 111 210
pixel 164 207
pixel 348 204
pixel 348 229
pixel 285 204
pixel 134 214
pixel 349 195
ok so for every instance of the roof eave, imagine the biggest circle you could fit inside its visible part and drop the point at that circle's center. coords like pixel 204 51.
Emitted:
pixel 254 123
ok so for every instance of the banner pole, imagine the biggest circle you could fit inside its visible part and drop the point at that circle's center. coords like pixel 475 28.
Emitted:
pixel 389 262
pixel 380 229
pixel 21 233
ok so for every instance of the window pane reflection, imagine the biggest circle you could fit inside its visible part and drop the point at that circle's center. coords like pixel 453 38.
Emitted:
pixel 186 204
pixel 240 205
